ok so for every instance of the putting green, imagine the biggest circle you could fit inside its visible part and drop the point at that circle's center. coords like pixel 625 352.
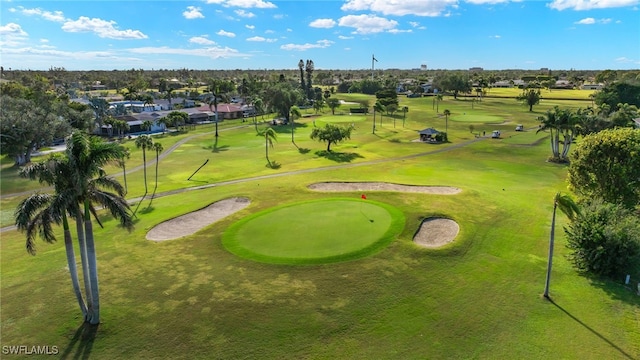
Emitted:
pixel 315 232
pixel 476 118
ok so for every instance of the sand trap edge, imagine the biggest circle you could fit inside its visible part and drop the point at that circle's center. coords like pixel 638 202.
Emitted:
pixel 382 186
pixel 435 232
pixel 194 221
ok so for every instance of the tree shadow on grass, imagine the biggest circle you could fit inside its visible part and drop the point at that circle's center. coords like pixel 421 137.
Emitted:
pixel 215 148
pixel 340 157
pixel 594 332
pixel 617 291
pixel 147 210
pixel 303 150
pixel 81 342
pixel 273 165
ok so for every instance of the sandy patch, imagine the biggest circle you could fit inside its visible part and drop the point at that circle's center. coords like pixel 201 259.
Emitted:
pixel 436 232
pixel 382 186
pixel 190 223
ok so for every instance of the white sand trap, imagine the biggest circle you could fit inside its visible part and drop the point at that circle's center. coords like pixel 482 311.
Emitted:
pixel 436 232
pixel 190 223
pixel 383 186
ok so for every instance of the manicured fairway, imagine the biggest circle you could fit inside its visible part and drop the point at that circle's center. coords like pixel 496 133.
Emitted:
pixel 314 232
pixel 476 118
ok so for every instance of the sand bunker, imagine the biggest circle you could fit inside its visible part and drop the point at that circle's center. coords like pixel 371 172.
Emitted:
pixel 436 232
pixel 382 186
pixel 190 223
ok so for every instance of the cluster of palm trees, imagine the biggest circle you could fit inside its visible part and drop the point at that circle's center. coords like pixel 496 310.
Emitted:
pixel 145 142
pixel 80 185
pixel 565 124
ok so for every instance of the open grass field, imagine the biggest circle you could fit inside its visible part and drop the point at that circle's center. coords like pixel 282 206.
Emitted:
pixel 191 298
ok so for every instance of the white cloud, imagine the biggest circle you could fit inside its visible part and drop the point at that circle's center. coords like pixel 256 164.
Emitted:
pixel 586 21
pixel 491 2
pixel 102 28
pixel 250 27
pixel 495 36
pixel 44 41
pixel 193 12
pixel 12 35
pixel 342 37
pixel 398 31
pixel 591 21
pixel 247 4
pixel 226 33
pixel 367 24
pixel 244 14
pixel 211 52
pixel 323 23
pixel 401 8
pixel 626 60
pixel 201 40
pixel 320 44
pixel 590 4
pixel 56 16
pixel 12 29
pixel 261 39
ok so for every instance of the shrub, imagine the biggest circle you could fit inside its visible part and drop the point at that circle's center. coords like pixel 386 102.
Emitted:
pixel 604 240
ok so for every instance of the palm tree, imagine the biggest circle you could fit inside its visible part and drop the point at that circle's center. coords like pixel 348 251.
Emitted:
pixel 269 137
pixel 378 107
pixel 439 98
pixel 257 106
pixel 446 113
pixel 38 212
pixel 550 122
pixel 214 102
pixel 79 181
pixel 158 149
pixel 87 156
pixel 144 142
pixel 146 125
pixel 301 67
pixel 405 109
pixel 126 154
pixel 570 209
pixel 294 111
pixel 169 97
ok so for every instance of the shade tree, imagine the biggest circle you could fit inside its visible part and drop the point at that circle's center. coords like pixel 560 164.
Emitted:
pixel 331 134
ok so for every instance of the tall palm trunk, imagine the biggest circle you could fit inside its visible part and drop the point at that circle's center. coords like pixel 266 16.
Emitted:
pixel 82 241
pixel 93 266
pixel 266 149
pixel 144 170
pixel 551 244
pixel 71 263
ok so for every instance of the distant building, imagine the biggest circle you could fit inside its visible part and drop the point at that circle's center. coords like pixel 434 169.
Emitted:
pixel 476 69
pixel 591 86
pixel 423 67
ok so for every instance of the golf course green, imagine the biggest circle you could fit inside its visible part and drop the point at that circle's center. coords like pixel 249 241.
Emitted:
pixel 312 232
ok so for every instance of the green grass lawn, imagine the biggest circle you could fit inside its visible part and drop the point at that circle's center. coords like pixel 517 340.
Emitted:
pixel 315 232
pixel 192 298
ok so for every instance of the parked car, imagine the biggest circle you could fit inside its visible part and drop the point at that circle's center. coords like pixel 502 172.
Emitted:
pixel 519 127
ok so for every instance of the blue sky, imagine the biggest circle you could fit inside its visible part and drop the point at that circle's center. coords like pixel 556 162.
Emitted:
pixel 262 34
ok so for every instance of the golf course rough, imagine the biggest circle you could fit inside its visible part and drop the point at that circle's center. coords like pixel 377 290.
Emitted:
pixel 315 232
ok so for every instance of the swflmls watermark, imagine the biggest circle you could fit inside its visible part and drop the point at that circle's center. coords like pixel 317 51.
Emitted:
pixel 30 350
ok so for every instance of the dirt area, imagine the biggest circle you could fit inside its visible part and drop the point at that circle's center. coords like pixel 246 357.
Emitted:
pixel 190 223
pixel 382 186
pixel 436 232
